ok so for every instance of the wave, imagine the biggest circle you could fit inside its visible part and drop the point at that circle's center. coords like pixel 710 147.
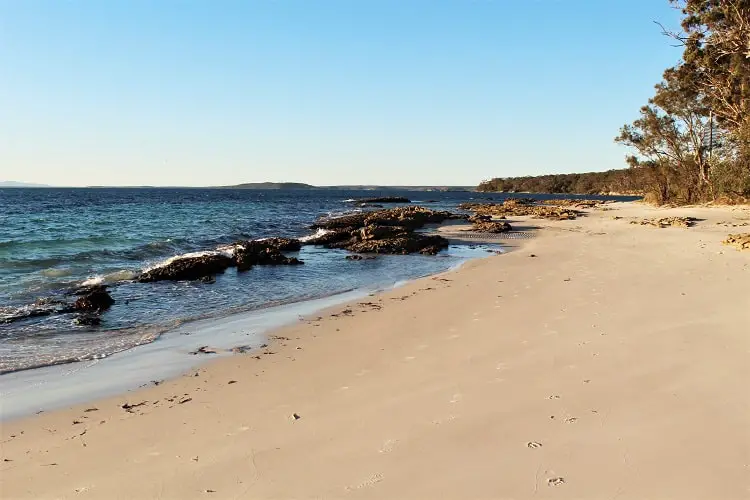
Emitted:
pixel 57 272
pixel 113 277
pixel 317 234
pixel 226 250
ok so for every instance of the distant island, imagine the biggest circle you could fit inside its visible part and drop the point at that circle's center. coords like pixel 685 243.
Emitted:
pixel 14 184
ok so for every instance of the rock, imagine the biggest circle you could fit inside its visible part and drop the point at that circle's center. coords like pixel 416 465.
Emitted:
pixel 575 203
pixel 412 217
pixel 25 313
pixel 384 199
pixel 203 350
pixel 88 320
pixel 188 268
pixel 261 252
pixel 332 236
pixel 409 217
pixel 94 299
pixel 405 244
pixel 373 232
pixel 350 221
pixel 491 227
pixel 283 244
pixel 479 218
pixel 667 222
pixel 360 257
pixel 521 207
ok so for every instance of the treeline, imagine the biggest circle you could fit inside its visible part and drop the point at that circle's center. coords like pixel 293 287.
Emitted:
pixel 626 181
pixel 691 141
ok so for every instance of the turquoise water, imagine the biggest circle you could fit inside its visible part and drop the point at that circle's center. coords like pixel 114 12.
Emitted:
pixel 52 240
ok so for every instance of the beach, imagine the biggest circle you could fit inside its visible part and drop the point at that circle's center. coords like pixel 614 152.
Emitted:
pixel 598 359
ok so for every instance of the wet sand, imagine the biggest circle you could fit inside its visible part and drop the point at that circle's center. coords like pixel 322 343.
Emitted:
pixel 599 359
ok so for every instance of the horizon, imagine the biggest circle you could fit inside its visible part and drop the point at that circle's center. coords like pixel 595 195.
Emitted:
pixel 373 93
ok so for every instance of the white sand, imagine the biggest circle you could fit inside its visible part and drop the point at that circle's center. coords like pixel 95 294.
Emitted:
pixel 613 365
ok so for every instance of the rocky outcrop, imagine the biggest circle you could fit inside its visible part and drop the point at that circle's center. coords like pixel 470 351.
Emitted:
pixel 282 244
pixel 351 221
pixel 666 222
pixel 566 202
pixel 383 231
pixel 404 244
pixel 384 199
pixel 374 232
pixel 521 207
pixel 188 268
pixel 95 299
pixel 410 217
pixel 491 227
pixel 263 253
pixel 360 257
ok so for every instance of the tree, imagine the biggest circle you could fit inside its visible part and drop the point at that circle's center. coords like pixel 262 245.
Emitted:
pixel 716 59
pixel 670 140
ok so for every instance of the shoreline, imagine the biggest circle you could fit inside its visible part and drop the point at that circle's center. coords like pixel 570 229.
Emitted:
pixel 56 386
pixel 601 359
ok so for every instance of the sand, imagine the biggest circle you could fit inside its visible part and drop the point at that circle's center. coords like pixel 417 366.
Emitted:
pixel 598 360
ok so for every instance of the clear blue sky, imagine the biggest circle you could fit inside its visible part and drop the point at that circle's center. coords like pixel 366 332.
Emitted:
pixel 167 92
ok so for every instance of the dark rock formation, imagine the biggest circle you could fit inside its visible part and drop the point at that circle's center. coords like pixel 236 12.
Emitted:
pixel 383 231
pixel 283 244
pixel 373 232
pixel 333 236
pixel 405 244
pixel 360 257
pixel 384 199
pixel 93 299
pixel 26 313
pixel 264 253
pixel 88 320
pixel 479 218
pixel 408 217
pixel 188 268
pixel 491 227
pixel 345 221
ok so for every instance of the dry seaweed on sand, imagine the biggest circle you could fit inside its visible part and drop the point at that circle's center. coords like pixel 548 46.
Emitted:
pixel 667 222
pixel 741 241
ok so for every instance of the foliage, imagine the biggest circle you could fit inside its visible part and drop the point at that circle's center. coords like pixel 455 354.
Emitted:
pixel 693 136
pixel 614 181
pixel 691 141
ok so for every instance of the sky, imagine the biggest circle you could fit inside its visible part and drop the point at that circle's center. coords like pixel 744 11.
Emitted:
pixel 391 92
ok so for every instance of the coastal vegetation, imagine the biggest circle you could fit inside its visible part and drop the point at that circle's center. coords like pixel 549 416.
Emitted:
pixel 691 141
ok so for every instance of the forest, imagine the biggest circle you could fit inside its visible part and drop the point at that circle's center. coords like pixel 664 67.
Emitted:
pixel 691 141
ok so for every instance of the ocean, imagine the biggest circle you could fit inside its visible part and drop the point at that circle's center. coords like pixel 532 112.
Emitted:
pixel 53 240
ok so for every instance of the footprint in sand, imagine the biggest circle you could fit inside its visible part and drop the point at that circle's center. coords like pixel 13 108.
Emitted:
pixel 555 481
pixel 571 420
pixel 388 446
pixel 533 444
pixel 370 481
pixel 456 398
pixel 440 421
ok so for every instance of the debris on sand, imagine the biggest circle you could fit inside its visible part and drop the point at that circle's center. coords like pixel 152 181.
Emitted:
pixel 667 222
pixel 741 241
